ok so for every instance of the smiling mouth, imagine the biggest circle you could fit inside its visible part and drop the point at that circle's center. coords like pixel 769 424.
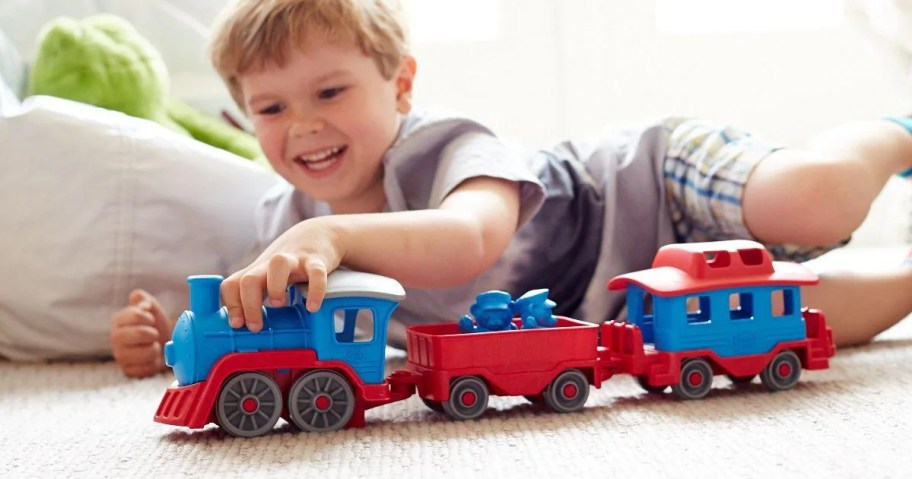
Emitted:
pixel 322 159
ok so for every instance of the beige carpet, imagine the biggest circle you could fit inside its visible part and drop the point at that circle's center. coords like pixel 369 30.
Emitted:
pixel 850 421
pixel 853 420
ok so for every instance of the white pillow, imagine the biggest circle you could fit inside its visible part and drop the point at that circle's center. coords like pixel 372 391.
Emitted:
pixel 94 203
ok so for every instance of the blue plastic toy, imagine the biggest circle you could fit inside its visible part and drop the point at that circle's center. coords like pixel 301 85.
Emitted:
pixel 350 325
pixel 534 308
pixel 493 311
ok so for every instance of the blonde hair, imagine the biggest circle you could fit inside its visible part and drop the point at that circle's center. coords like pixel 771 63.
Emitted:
pixel 250 34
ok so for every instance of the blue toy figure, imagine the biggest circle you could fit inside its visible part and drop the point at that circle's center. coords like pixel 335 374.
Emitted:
pixel 535 308
pixel 493 311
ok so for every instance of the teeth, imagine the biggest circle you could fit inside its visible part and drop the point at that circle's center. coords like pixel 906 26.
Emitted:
pixel 320 155
pixel 320 166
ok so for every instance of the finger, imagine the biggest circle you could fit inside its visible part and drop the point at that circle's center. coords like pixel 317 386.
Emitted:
pixel 137 296
pixel 132 316
pixel 139 355
pixel 133 336
pixel 280 267
pixel 231 298
pixel 143 362
pixel 253 282
pixel 316 284
pixel 155 307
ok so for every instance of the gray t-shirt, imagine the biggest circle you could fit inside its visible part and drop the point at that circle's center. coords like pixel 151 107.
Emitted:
pixel 589 210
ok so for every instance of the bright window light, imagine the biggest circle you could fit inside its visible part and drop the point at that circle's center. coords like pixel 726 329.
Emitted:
pixel 453 20
pixel 709 17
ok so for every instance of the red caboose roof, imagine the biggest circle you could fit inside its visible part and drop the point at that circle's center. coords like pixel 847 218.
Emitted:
pixel 687 268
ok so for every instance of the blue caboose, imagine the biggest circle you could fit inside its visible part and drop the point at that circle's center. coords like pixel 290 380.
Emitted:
pixel 734 301
pixel 350 326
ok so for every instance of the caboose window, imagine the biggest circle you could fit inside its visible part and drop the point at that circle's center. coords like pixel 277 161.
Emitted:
pixel 742 305
pixel 697 309
pixel 354 325
pixel 783 302
pixel 717 259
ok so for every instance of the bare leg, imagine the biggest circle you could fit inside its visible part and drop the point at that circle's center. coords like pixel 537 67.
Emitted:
pixel 821 194
pixel 860 305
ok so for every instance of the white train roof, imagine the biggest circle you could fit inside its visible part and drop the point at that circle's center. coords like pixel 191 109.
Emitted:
pixel 354 283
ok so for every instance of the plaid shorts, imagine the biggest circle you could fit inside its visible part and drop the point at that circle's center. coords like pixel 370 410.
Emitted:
pixel 706 167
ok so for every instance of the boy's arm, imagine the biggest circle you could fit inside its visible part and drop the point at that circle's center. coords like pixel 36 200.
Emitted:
pixel 425 248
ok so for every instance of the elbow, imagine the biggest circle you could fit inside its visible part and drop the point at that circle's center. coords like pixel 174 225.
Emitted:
pixel 481 247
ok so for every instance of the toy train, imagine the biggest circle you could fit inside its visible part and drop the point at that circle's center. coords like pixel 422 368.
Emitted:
pixel 703 309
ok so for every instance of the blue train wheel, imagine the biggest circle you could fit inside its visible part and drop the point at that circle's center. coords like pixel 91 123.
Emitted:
pixel 696 379
pixel 568 392
pixel 783 372
pixel 249 405
pixel 321 401
pixel 468 398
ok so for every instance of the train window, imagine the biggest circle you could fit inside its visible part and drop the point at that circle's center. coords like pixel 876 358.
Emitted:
pixel 697 309
pixel 742 305
pixel 354 325
pixel 647 305
pixel 783 302
pixel 717 259
pixel 751 256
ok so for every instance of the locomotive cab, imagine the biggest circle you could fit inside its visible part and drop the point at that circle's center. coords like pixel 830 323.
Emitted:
pixel 351 324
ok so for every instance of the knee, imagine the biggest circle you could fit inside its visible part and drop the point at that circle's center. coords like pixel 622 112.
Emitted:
pixel 834 201
pixel 815 201
pixel 829 209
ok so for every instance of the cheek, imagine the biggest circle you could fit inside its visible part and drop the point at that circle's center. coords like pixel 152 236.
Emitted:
pixel 271 141
pixel 375 131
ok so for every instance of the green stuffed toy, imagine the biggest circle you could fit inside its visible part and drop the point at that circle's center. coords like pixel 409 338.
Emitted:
pixel 104 61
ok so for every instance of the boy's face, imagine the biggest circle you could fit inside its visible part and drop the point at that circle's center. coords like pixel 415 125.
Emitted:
pixel 325 120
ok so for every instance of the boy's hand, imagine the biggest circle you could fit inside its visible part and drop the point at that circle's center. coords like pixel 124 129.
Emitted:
pixel 138 334
pixel 309 251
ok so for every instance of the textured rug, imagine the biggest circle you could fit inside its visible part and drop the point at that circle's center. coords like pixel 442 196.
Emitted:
pixel 853 420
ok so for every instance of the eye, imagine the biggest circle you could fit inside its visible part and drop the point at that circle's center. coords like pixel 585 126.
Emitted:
pixel 271 109
pixel 330 93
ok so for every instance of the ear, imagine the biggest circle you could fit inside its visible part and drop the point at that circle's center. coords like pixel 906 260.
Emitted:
pixel 405 77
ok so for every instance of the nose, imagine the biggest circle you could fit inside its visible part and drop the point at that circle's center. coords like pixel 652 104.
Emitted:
pixel 300 128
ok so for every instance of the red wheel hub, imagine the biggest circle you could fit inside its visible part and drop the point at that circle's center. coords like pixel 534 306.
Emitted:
pixel 785 369
pixel 468 398
pixel 570 391
pixel 695 379
pixel 322 403
pixel 249 405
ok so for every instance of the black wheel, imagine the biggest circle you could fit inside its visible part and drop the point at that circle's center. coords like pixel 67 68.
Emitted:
pixel 696 379
pixel 641 380
pixel 435 405
pixel 321 401
pixel 249 405
pixel 783 372
pixel 468 398
pixel 741 380
pixel 568 391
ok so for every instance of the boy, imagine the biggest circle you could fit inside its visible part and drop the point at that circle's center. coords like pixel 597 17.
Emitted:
pixel 442 205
